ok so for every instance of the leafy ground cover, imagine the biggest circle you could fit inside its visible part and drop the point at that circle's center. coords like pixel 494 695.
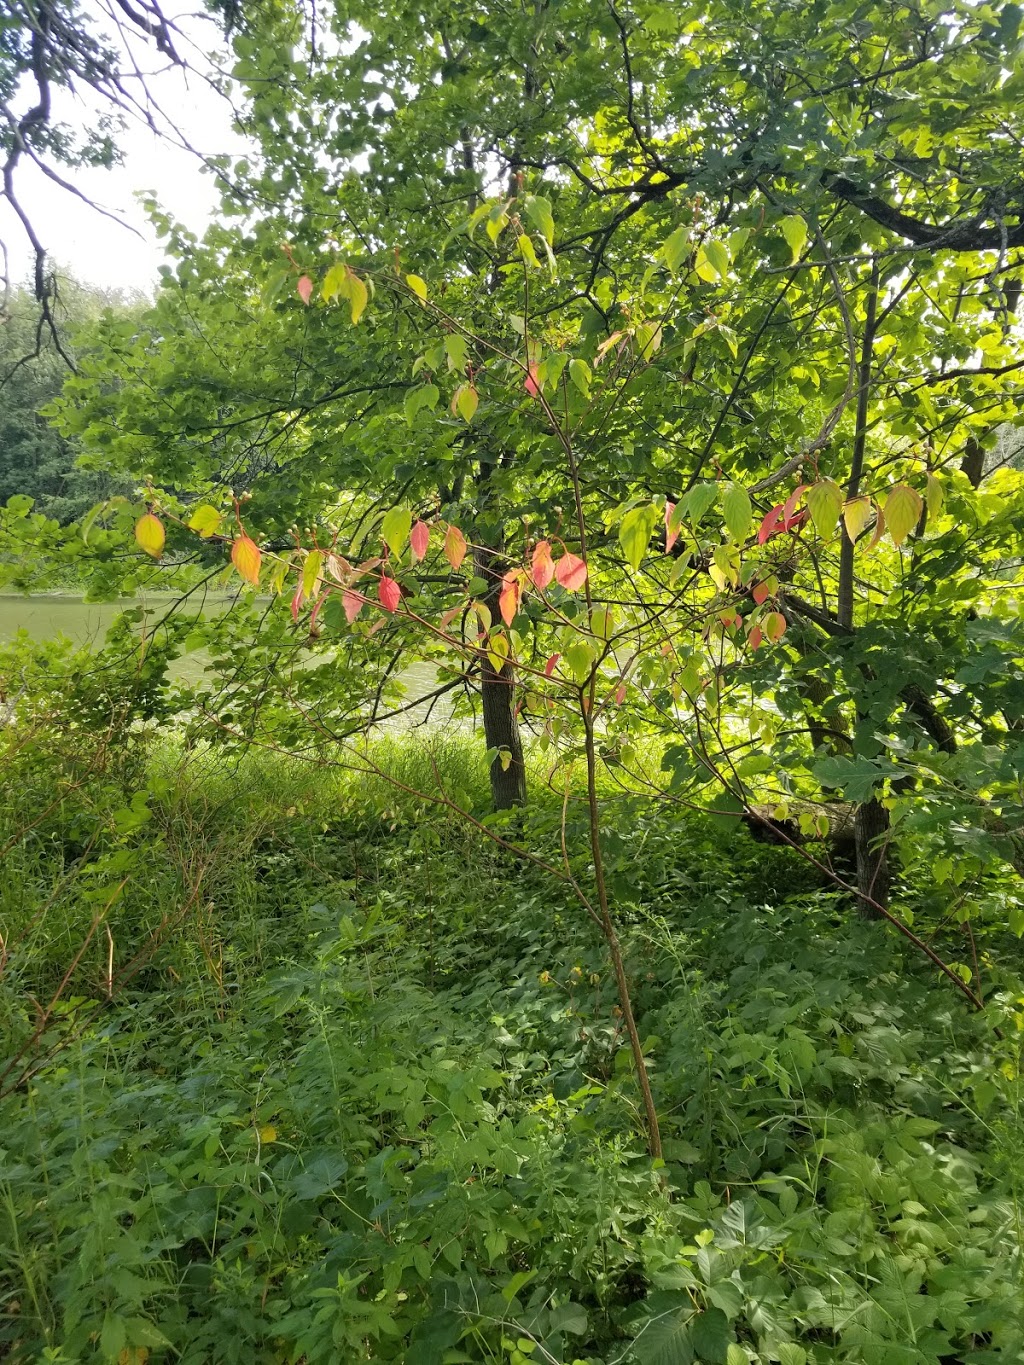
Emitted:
pixel 335 1079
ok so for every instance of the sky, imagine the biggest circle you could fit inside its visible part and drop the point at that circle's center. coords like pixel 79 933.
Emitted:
pixel 95 249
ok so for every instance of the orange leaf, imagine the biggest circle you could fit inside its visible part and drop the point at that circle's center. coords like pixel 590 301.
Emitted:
pixel 755 637
pixel 531 386
pixel 508 600
pixel 571 572
pixel 390 593
pixel 760 593
pixel 245 556
pixel 774 626
pixel 150 534
pixel 419 539
pixel 549 667
pixel 543 568
pixel 454 547
pixel 305 289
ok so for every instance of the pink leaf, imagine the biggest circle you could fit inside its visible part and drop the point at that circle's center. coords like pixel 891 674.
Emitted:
pixel 353 604
pixel 671 536
pixel 620 694
pixel 419 539
pixel 549 667
pixel 771 525
pixel 531 386
pixel 543 569
pixel 508 601
pixel 454 547
pixel 390 593
pixel 789 511
pixel 571 572
pixel 755 638
pixel 297 601
pixel 305 289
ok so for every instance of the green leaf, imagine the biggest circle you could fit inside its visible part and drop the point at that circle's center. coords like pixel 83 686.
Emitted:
pixel 856 778
pixel 526 250
pixel 717 254
pixel 311 570
pixel 357 296
pixel 538 210
pixel 579 373
pixel 335 283
pixel 694 504
pixel 455 346
pixel 736 510
pixel 825 501
pixel 676 249
pixel 418 287
pixel 635 532
pixel 710 1333
pixel 395 528
pixel 664 1340
pixel 580 657
pixel 794 229
pixel 205 520
pixel 466 402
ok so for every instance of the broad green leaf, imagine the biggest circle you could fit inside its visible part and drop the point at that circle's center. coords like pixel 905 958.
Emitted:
pixel 466 401
pixel 825 501
pixel 704 268
pixel 335 283
pixel 794 229
pixel 526 249
pixel 538 210
pixel 150 534
pixel 395 528
pixel 497 651
pixel 602 622
pixel 455 346
pixel 934 495
pixel 205 520
pixel 694 504
pixel 579 373
pixel 903 507
pixel 856 778
pixel 736 510
pixel 635 532
pixel 676 249
pixel 717 254
pixel 664 1340
pixel 580 657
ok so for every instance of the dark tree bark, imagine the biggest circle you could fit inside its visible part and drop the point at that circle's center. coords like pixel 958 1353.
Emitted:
pixel 871 824
pixel 498 699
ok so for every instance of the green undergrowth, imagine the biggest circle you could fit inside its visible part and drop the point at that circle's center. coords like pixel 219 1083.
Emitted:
pixel 336 1078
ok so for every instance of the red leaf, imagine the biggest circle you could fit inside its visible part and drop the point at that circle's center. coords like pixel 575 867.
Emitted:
pixel 353 604
pixel 771 525
pixel 508 601
pixel 788 512
pixel 543 565
pixel 419 539
pixel 760 593
pixel 305 289
pixel 670 536
pixel 549 667
pixel 454 547
pixel 755 638
pixel 571 572
pixel 390 593
pixel 245 556
pixel 531 386
pixel 297 601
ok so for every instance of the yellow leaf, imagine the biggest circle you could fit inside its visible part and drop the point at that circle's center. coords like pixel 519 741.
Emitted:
pixel 268 1133
pixel 245 556
pixel 934 495
pixel 418 287
pixel 526 250
pixel 357 295
pixel 466 401
pixel 311 573
pixel 903 508
pixel 856 515
pixel 150 534
pixel 206 520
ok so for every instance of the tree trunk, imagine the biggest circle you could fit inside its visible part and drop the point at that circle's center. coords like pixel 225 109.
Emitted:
pixel 498 700
pixel 870 824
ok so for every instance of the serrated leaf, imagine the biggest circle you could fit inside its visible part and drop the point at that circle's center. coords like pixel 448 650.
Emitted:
pixel 794 229
pixel 580 657
pixel 933 495
pixel 389 593
pixel 304 289
pixel 695 503
pixel 418 287
pixel 856 515
pixel 580 374
pixel 335 283
pixel 205 520
pixel 856 778
pixel 454 547
pixel 395 528
pixel 150 534
pixel 357 296
pixel 635 533
pixel 246 557
pixel 736 511
pixel 903 507
pixel 571 572
pixel 825 501
pixel 665 1340
pixel 676 249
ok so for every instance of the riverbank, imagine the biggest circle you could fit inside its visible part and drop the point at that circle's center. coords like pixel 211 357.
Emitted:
pixel 331 1075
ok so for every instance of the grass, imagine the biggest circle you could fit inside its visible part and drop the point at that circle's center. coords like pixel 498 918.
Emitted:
pixel 336 1079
